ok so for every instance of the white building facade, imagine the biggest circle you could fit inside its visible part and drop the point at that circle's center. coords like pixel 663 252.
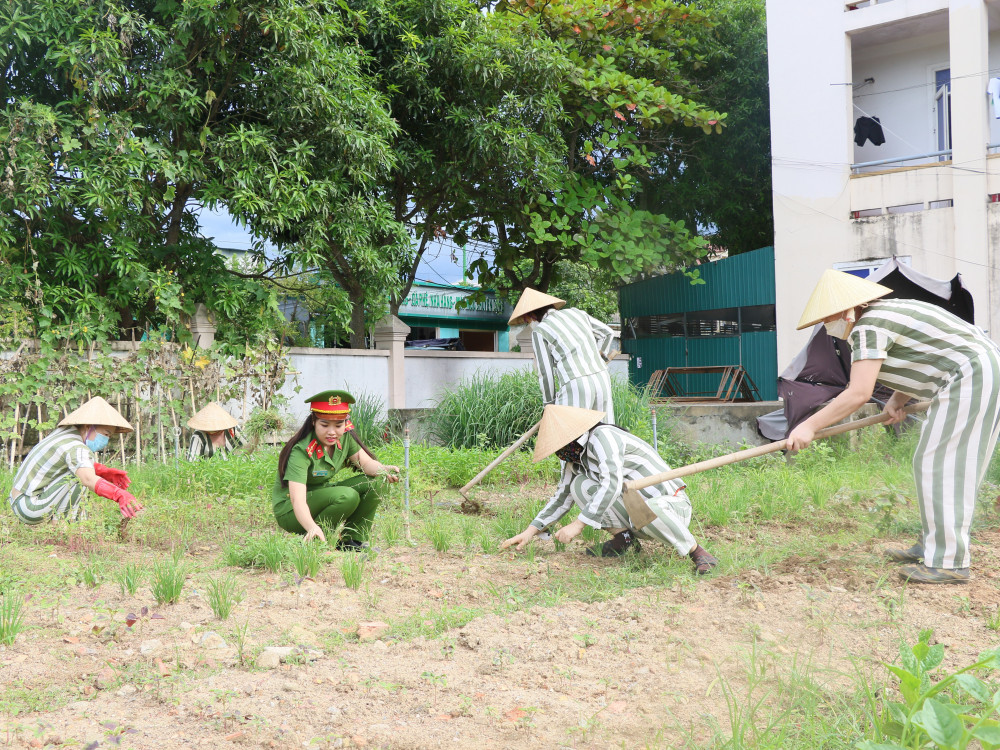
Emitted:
pixel 929 193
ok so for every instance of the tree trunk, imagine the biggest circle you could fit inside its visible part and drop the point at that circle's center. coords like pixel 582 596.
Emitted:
pixel 358 327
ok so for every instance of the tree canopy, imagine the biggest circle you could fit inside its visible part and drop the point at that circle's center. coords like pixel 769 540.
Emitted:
pixel 122 119
pixel 348 136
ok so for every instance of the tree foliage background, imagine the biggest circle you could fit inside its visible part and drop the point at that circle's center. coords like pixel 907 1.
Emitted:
pixel 579 140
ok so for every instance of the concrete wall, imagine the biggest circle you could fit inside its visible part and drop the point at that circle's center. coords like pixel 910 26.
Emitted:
pixel 427 373
pixel 726 425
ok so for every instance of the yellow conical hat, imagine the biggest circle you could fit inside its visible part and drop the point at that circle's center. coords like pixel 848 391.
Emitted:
pixel 532 299
pixel 561 425
pixel 97 411
pixel 212 419
pixel 836 292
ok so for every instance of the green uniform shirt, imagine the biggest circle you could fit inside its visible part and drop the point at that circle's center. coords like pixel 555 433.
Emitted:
pixel 313 471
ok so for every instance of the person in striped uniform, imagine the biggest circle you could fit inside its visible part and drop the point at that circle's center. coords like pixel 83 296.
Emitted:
pixel 215 433
pixel 53 478
pixel 921 351
pixel 571 350
pixel 598 459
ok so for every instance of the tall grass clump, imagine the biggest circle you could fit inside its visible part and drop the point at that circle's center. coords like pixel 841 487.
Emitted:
pixel 11 616
pixel 438 532
pixel 486 411
pixel 167 581
pixel 129 577
pixel 269 552
pixel 352 567
pixel 307 559
pixel 223 594
pixel 369 417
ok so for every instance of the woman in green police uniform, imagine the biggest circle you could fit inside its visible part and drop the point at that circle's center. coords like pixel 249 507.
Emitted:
pixel 306 495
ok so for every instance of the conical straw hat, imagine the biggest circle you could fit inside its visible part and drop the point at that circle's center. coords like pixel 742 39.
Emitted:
pixel 836 292
pixel 212 419
pixel 532 299
pixel 561 425
pixel 99 412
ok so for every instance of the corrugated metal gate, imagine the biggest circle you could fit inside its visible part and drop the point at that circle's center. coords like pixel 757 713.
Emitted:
pixel 728 320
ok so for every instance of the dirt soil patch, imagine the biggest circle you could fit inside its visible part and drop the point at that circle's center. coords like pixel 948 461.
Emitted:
pixel 462 664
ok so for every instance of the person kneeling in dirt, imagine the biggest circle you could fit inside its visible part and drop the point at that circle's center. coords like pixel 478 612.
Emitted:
pixel 55 473
pixel 599 459
pixel 305 494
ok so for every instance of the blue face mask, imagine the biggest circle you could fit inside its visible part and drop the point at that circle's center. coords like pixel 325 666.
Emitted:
pixel 98 442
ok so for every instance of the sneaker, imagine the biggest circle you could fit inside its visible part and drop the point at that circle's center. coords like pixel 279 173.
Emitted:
pixel 617 546
pixel 914 554
pixel 351 545
pixel 703 560
pixel 923 574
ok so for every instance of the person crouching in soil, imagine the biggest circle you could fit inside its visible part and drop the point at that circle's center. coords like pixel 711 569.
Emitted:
pixel 599 459
pixel 305 495
pixel 54 476
pixel 215 433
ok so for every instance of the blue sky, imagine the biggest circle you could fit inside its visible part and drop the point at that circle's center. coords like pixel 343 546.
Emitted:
pixel 436 266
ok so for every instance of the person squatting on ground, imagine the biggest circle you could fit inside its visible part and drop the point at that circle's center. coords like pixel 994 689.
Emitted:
pixel 571 351
pixel 598 460
pixel 215 433
pixel 305 495
pixel 53 477
pixel 921 351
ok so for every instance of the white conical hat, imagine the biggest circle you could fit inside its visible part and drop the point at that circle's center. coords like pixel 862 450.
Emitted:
pixel 212 419
pixel 532 299
pixel 97 411
pixel 836 292
pixel 560 426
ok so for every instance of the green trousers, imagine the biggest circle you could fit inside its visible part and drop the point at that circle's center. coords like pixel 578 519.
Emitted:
pixel 352 501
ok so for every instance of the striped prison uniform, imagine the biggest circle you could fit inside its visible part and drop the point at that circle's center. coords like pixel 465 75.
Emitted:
pixel 201 445
pixel 929 353
pixel 611 456
pixel 569 345
pixel 46 485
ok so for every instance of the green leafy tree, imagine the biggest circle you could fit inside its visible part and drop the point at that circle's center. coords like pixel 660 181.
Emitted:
pixel 723 184
pixel 474 118
pixel 120 120
pixel 624 84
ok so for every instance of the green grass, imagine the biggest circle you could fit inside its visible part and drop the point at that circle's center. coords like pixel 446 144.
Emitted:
pixel 353 566
pixel 129 577
pixel 167 580
pixel 11 616
pixel 223 594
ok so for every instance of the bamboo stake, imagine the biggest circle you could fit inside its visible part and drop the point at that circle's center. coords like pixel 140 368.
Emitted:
pixel 121 437
pixel 38 411
pixel 194 407
pixel 138 427
pixel 159 422
pixel 22 431
pixel 13 441
pixel 639 512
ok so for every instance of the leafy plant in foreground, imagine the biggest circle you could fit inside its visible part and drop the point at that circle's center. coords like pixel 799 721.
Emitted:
pixel 930 714
pixel 307 559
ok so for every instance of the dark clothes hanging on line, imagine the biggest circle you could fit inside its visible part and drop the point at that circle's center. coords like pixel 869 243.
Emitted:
pixel 868 128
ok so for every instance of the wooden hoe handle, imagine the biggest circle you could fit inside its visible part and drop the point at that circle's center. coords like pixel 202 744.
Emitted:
pixel 762 450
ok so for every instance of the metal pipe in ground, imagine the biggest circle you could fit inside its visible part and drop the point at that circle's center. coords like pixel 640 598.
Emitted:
pixel 406 483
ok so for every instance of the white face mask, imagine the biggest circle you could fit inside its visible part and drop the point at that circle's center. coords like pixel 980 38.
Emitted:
pixel 841 327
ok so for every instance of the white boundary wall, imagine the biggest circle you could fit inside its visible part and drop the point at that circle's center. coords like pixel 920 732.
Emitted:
pixel 427 373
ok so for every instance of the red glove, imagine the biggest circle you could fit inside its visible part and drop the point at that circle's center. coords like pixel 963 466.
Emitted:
pixel 126 502
pixel 117 477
